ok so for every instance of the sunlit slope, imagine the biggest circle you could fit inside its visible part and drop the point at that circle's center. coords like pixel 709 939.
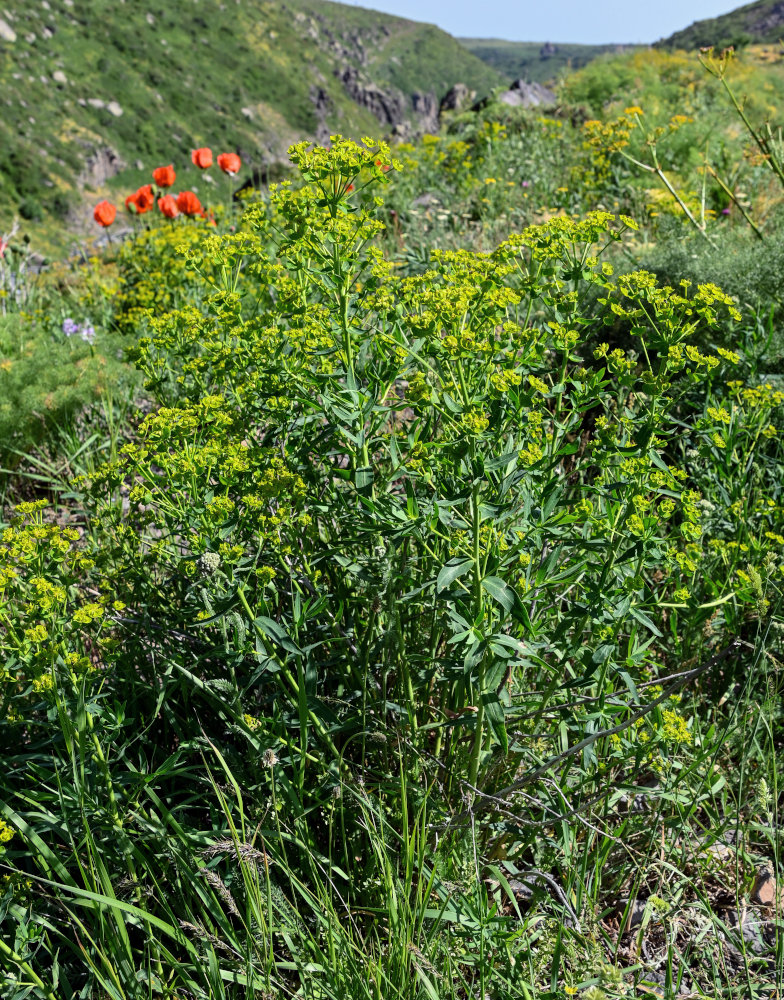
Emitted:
pixel 95 92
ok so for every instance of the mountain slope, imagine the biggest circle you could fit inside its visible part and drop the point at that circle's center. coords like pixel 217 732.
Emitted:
pixel 756 22
pixel 96 92
pixel 534 61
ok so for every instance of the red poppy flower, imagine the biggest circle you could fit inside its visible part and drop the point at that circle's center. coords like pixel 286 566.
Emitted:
pixel 188 203
pixel 229 163
pixel 164 177
pixel 168 206
pixel 104 214
pixel 140 201
pixel 202 157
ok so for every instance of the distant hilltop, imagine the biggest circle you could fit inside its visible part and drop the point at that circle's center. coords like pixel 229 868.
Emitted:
pixel 538 62
pixel 761 22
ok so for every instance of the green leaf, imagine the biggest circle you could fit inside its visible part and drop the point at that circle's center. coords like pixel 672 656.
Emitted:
pixel 643 619
pixel 496 718
pixel 501 462
pixel 603 653
pixel 450 572
pixel 277 633
pixel 451 404
pixel 551 503
pixel 364 477
pixel 500 591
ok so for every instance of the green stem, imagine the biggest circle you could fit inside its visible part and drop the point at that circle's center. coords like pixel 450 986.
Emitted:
pixel 17 959
pixel 476 752
pixel 731 194
pixel 316 722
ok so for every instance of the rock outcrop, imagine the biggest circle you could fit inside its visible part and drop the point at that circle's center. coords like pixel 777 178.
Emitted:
pixel 400 114
pixel 426 110
pixel 522 94
pixel 387 105
pixel 100 164
pixel 457 98
pixel 322 105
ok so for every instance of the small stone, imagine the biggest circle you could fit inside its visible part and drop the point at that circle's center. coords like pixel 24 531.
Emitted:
pixel 635 914
pixel 764 892
pixel 59 77
pixel 425 200
pixel 114 109
pixel 96 102
pixel 150 19
pixel 7 33
pixel 753 933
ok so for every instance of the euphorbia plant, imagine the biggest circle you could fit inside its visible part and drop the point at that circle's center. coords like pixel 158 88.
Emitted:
pixel 410 493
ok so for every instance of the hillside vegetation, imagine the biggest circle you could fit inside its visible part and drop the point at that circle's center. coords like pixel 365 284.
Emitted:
pixel 669 83
pixel 94 94
pixel 392 557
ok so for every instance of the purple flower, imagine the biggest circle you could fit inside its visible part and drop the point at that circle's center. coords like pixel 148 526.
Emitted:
pixel 725 211
pixel 526 184
pixel 84 330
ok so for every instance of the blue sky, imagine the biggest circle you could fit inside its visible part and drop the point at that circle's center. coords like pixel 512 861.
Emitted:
pixel 557 20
